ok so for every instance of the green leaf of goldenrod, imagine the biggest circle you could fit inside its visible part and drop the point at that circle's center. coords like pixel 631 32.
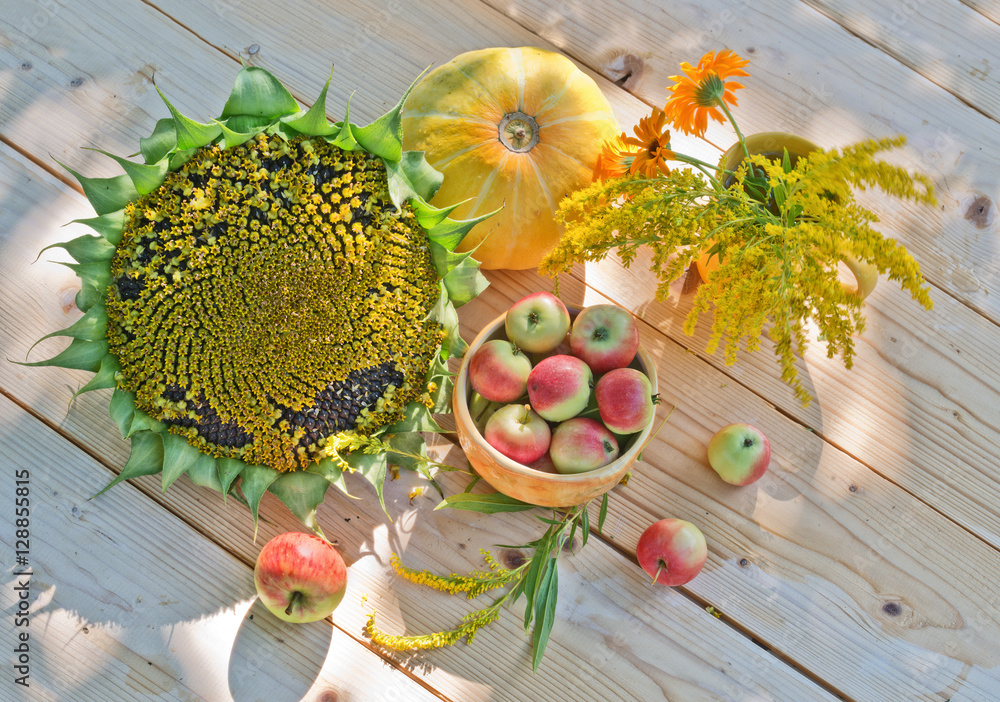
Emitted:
pixel 545 614
pixel 488 503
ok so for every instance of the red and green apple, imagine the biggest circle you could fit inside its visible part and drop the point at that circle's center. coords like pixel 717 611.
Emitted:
pixel 300 577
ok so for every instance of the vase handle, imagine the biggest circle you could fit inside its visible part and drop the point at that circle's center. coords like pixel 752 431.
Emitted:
pixel 865 275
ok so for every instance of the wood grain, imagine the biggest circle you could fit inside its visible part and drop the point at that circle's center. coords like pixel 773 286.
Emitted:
pixel 129 602
pixel 853 586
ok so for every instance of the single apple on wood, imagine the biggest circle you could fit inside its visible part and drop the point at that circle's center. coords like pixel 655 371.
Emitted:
pixel 625 400
pixel 581 444
pixel 739 453
pixel 300 577
pixel 605 336
pixel 672 551
pixel 559 387
pixel 499 371
pixel 537 323
pixel 518 433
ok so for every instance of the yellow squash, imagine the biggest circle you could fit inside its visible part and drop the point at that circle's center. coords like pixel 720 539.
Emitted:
pixel 518 128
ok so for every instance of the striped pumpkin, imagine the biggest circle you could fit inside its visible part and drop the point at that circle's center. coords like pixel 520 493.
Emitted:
pixel 510 128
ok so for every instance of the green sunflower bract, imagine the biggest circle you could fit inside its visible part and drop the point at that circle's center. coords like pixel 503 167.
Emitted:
pixel 271 299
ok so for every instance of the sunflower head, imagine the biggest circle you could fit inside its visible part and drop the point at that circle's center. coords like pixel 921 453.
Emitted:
pixel 703 89
pixel 270 296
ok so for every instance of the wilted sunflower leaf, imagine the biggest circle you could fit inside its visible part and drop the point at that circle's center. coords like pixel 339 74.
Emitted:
pixel 143 422
pixel 409 450
pixel 80 355
pixel 429 216
pixel 231 138
pixel 450 232
pixel 229 469
pixel 106 194
pixel 302 492
pixel 344 138
pixel 110 225
pixel 161 142
pixel 146 458
pixel 259 94
pixel 203 472
pixel 462 278
pixel 444 313
pixel 178 456
pixel 412 177
pixel 384 136
pixel 122 409
pixel 105 377
pixel 373 467
pixel 190 134
pixel 417 418
pixel 313 121
pixel 93 275
pixel 92 326
pixel 146 177
pixel 254 481
pixel 332 471
pixel 85 249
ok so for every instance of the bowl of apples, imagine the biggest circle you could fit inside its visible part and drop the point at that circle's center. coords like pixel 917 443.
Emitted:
pixel 553 405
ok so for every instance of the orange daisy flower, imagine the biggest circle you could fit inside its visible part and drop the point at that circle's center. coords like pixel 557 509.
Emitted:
pixel 697 95
pixel 613 161
pixel 652 142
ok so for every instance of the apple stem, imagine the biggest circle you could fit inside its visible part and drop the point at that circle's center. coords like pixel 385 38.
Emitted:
pixel 524 417
pixel 661 566
pixel 296 596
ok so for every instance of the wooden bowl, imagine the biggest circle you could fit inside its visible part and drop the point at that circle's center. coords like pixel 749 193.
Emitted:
pixel 528 484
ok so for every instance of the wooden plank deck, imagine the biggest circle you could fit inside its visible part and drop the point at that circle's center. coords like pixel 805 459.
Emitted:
pixel 864 566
